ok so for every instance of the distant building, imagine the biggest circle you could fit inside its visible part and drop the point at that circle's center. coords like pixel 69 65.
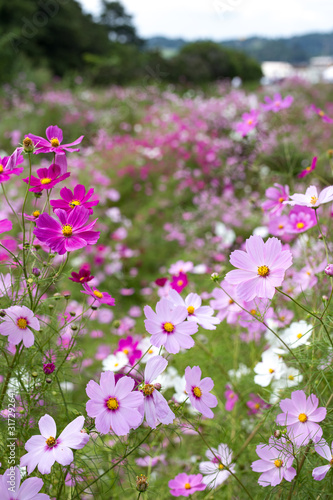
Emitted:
pixel 319 69
pixel 276 71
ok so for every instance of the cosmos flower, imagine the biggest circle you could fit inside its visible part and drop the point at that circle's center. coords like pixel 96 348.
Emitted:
pixel 77 197
pixel 275 462
pixel 11 489
pixel 113 405
pixel 17 325
pixel 8 167
pixel 250 121
pixel 261 268
pixel 311 198
pixel 326 452
pixel 270 368
pixel 184 485
pixel 225 305
pixel 53 142
pixel 129 346
pixel 47 178
pixel 203 315
pixel 101 297
pixel 309 169
pixel 231 398
pixel 300 219
pixel 322 114
pixel 115 362
pixel 277 103
pixel 199 391
pixel 215 470
pixel 168 327
pixel 256 404
pixel 275 197
pixel 46 449
pixel 69 233
pixel 155 407
pixel 5 225
pixel 83 276
pixel 300 415
pixel 179 282
pixel 5 284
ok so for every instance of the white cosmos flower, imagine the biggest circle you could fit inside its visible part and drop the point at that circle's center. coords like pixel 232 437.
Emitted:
pixel 214 470
pixel 115 362
pixel 290 378
pixel 311 198
pixel 5 284
pixel 298 333
pixel 271 367
pixel 144 345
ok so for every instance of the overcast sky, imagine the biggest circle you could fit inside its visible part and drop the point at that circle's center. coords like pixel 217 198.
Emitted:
pixel 225 19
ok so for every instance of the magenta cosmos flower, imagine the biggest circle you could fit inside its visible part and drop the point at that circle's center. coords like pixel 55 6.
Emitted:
pixel 168 327
pixel 53 142
pixel 113 405
pixel 47 178
pixel 45 449
pixel 101 297
pixel 77 197
pixel 300 415
pixel 5 225
pixel 215 469
pixel 231 398
pixel 326 452
pixel 199 391
pixel 129 346
pixel 277 103
pixel 275 197
pixel 250 121
pixel 155 406
pixel 184 485
pixel 179 282
pixel 300 219
pixel 83 276
pixel 10 488
pixel 17 325
pixel 8 167
pixel 322 114
pixel 261 268
pixel 311 198
pixel 256 404
pixel 275 462
pixel 69 233
pixel 309 169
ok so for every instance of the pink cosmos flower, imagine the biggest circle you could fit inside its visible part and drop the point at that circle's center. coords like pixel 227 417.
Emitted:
pixel 53 143
pixel 322 114
pixel 261 268
pixel 276 196
pixel 275 462
pixel 231 398
pixel 47 178
pixel 83 276
pixel 77 197
pixel 17 325
pixel 46 449
pixel 300 219
pixel 168 327
pixel 129 346
pixel 277 103
pixel 277 227
pixel 215 469
pixel 324 451
pixel 179 282
pixel 101 297
pixel 184 485
pixel 5 225
pixel 225 305
pixel 309 169
pixel 250 121
pixel 70 233
pixel 203 315
pixel 113 405
pixel 256 404
pixel 10 488
pixel 199 391
pixel 8 167
pixel 155 406
pixel 311 198
pixel 300 415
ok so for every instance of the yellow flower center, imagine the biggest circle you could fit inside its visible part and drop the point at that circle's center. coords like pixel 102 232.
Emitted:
pixel 98 294
pixel 190 309
pixel 253 312
pixel 197 392
pixel 300 225
pixel 281 199
pixel 1 168
pixel 221 466
pixel 22 323
pixel 257 406
pixel 263 271
pixel 231 396
pixel 67 230
pixel 36 213
pixel 112 404
pixel 249 122
pixel 46 180
pixel 300 335
pixel 168 327
pixel 125 351
pixel 231 301
pixel 313 200
pixel 291 377
pixel 321 113
pixel 55 142
pixel 302 417
pixel 278 463
pixel 150 351
pixel 187 486
pixel 308 169
pixel 74 203
pixel 51 441
pixel 280 226
pixel 331 461
pixel 148 389
pixel 271 370
pixel 180 282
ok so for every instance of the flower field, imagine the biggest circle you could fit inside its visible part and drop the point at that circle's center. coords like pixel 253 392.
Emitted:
pixel 166 292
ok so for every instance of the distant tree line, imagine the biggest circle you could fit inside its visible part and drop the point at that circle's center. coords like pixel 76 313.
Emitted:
pixel 60 37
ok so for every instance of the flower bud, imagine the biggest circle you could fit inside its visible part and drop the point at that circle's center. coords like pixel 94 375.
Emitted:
pixel 28 145
pixel 2 313
pixel 214 276
pixel 36 272
pixel 142 483
pixel 330 153
pixel 72 313
pixel 277 434
pixel 94 308
pixel 66 294
pixel 57 296
pixel 34 374
pixel 329 270
pixel 157 386
pixel 74 328
pixel 48 380
pixel 38 195
pixel 116 323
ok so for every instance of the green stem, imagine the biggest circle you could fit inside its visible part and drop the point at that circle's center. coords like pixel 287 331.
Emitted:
pixel 9 374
